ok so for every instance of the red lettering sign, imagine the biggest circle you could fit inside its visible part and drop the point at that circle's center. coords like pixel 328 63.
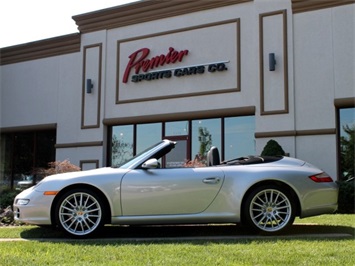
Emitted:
pixel 138 61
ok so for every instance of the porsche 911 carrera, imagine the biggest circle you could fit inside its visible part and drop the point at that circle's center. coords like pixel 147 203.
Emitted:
pixel 265 194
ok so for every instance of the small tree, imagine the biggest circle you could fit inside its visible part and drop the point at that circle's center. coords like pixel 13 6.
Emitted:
pixel 347 149
pixel 205 139
pixel 272 148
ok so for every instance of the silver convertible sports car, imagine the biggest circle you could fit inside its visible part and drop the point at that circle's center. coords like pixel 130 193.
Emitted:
pixel 263 193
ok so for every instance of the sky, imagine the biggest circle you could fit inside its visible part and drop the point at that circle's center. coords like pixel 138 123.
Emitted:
pixel 23 21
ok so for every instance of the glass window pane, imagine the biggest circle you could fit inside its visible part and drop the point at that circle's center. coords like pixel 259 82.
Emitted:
pixel 205 134
pixel 148 135
pixel 6 150
pixel 347 143
pixel 239 137
pixel 45 151
pixel 122 144
pixel 23 157
pixel 180 128
pixel 177 157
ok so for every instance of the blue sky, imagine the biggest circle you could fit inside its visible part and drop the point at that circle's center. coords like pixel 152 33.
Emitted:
pixel 23 21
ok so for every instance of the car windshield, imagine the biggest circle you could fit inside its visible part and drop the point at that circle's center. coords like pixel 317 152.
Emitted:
pixel 131 162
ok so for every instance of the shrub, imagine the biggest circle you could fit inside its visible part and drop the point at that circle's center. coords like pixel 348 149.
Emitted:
pixel 346 196
pixel 58 167
pixel 7 197
pixel 272 148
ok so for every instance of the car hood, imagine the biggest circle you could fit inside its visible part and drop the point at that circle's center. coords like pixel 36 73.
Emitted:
pixel 94 177
pixel 87 173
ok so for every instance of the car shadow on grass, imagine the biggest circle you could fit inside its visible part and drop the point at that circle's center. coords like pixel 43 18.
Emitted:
pixel 193 232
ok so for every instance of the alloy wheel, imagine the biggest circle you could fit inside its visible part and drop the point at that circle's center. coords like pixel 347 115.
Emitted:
pixel 270 210
pixel 80 213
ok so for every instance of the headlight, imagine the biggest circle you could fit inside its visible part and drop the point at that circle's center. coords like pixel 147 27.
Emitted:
pixel 22 201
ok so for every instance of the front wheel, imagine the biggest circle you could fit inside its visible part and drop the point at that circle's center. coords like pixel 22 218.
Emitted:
pixel 269 209
pixel 80 212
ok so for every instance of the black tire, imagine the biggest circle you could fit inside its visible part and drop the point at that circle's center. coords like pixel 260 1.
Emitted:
pixel 269 209
pixel 80 213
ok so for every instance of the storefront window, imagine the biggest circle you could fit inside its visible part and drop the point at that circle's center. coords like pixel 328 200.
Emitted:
pixel 6 150
pixel 147 135
pixel 122 144
pixel 233 136
pixel 239 136
pixel 22 154
pixel 23 157
pixel 179 128
pixel 205 134
pixel 347 143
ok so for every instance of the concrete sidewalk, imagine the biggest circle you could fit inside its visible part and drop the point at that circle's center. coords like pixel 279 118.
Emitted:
pixel 194 238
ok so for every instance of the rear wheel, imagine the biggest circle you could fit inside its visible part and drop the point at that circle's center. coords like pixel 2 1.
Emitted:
pixel 80 213
pixel 269 209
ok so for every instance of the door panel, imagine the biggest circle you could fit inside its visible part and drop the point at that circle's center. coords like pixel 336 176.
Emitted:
pixel 170 191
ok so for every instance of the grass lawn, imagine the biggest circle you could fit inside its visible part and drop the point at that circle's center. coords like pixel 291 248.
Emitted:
pixel 308 243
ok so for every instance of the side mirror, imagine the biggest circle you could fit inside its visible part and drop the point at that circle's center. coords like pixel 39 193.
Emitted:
pixel 151 164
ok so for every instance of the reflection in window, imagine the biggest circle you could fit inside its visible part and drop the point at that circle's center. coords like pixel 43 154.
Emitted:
pixel 239 136
pixel 6 155
pixel 22 154
pixel 122 144
pixel 177 157
pixel 347 143
pixel 148 135
pixel 238 139
pixel 180 128
pixel 205 134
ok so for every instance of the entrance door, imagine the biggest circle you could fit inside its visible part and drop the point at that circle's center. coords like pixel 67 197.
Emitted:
pixel 180 154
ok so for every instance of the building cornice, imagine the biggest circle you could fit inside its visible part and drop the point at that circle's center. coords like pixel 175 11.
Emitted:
pixel 299 6
pixel 40 49
pixel 143 11
pixel 129 14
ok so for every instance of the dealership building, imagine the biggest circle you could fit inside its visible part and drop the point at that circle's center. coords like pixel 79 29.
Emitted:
pixel 232 74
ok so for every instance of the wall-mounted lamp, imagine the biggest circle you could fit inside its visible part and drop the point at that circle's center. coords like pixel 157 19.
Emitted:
pixel 89 86
pixel 272 62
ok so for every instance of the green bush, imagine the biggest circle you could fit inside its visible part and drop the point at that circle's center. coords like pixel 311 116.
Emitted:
pixel 272 148
pixel 346 197
pixel 7 197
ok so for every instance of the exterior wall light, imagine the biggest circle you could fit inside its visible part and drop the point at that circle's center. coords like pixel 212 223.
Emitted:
pixel 272 62
pixel 89 86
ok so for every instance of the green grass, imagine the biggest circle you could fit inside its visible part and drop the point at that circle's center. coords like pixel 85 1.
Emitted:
pixel 332 219
pixel 251 252
pixel 115 249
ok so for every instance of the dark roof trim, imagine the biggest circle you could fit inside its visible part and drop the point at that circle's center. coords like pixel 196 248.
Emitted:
pixel 226 112
pixel 78 144
pixel 29 128
pixel 40 49
pixel 295 133
pixel 143 11
pixel 299 6
pixel 344 102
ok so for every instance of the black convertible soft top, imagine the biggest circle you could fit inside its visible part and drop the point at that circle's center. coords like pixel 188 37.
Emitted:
pixel 252 160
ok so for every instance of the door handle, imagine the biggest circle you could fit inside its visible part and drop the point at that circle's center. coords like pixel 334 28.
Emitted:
pixel 211 180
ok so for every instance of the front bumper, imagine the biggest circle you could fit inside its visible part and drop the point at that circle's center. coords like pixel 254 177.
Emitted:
pixel 38 209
